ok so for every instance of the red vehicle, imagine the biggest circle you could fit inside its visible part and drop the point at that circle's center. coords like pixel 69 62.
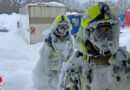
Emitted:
pixel 127 18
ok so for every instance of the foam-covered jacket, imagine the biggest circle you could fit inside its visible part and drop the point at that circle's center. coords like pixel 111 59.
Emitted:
pixel 55 50
pixel 101 73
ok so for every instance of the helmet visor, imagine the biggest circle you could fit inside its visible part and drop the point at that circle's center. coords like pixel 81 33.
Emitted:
pixel 102 32
pixel 62 29
pixel 105 35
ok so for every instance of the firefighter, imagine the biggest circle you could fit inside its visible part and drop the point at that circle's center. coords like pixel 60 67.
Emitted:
pixel 57 48
pixel 98 63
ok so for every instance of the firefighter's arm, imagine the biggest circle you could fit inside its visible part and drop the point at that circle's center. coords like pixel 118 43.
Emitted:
pixel 122 61
pixel 69 71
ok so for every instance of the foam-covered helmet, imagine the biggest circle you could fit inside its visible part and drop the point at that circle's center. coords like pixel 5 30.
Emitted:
pixel 61 25
pixel 101 27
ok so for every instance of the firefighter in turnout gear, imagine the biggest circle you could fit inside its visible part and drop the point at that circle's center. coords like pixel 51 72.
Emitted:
pixel 57 48
pixel 98 63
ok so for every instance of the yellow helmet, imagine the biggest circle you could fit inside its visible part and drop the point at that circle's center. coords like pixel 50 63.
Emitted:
pixel 100 25
pixel 100 11
pixel 61 19
pixel 61 25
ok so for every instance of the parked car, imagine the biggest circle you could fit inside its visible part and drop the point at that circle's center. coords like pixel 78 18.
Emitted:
pixel 3 29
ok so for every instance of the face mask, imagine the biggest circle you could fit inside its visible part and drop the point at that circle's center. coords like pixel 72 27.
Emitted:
pixel 106 38
pixel 62 29
pixel 103 32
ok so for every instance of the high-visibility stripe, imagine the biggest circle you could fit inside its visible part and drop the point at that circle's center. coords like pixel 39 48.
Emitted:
pixel 69 60
pixel 89 15
pixel 112 56
pixel 59 19
pixel 83 84
pixel 82 47
pixel 55 68
pixel 106 17
pixel 128 55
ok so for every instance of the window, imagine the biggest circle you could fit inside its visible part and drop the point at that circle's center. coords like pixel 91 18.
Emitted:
pixel 75 22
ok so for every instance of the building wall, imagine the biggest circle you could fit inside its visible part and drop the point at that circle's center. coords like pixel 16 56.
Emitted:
pixel 40 19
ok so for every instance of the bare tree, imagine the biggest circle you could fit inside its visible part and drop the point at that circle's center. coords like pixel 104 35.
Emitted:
pixel 88 4
pixel 15 5
pixel 110 3
pixel 5 6
pixel 123 5
pixel 119 6
pixel 71 5
pixel 51 0
pixel 9 6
